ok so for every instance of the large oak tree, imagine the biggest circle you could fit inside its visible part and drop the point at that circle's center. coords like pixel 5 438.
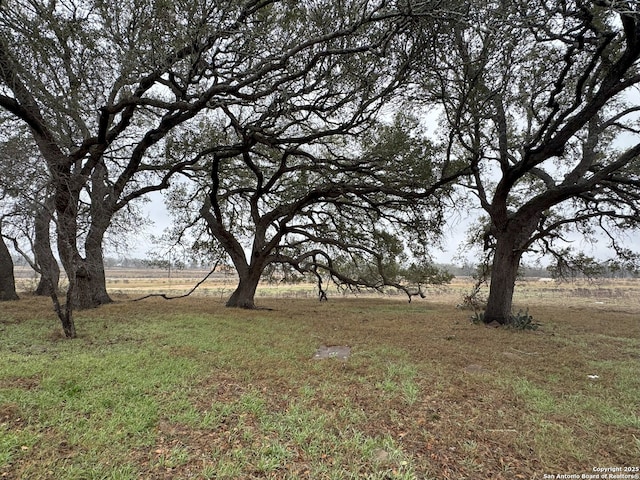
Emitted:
pixel 299 172
pixel 540 98
pixel 342 212
pixel 85 77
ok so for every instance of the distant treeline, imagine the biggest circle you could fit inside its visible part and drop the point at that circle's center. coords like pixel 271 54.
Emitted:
pixel 465 270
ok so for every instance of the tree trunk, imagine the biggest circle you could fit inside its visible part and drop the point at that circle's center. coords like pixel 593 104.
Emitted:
pixel 245 292
pixel 91 283
pixel 7 278
pixel 504 272
pixel 65 312
pixel 91 286
pixel 46 262
pixel 90 290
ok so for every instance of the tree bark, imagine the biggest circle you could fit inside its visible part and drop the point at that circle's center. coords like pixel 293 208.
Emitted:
pixel 245 292
pixel 91 286
pixel 249 273
pixel 90 291
pixel 65 312
pixel 512 240
pixel 504 272
pixel 7 278
pixel 46 262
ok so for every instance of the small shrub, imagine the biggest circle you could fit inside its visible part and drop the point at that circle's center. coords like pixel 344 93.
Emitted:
pixel 477 318
pixel 473 300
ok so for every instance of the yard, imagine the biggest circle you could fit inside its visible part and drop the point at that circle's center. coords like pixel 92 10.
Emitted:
pixel 190 389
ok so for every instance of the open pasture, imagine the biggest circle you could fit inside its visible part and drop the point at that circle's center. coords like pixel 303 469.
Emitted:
pixel 186 388
pixel 604 294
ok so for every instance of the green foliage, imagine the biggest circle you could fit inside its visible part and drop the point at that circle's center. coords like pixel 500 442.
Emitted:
pixel 518 321
pixel 522 321
pixel 384 262
pixel 165 264
pixel 570 266
pixel 403 145
pixel 426 273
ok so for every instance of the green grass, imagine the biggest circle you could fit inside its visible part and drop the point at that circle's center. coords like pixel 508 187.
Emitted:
pixel 189 389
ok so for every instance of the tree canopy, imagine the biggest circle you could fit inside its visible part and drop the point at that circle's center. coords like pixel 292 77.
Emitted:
pixel 297 130
pixel 318 208
pixel 303 175
pixel 540 98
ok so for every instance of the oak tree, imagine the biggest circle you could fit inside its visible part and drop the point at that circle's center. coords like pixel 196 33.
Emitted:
pixel 300 173
pixel 538 97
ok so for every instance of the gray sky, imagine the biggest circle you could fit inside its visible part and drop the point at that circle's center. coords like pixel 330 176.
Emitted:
pixel 455 234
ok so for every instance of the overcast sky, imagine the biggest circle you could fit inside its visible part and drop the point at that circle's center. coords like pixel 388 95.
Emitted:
pixel 455 234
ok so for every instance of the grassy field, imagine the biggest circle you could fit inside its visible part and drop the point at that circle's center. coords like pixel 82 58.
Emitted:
pixel 189 389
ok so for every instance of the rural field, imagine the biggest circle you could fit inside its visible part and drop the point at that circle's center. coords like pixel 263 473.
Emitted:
pixel 188 389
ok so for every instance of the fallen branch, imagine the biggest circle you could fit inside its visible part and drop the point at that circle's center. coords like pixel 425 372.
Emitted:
pixel 524 353
pixel 166 297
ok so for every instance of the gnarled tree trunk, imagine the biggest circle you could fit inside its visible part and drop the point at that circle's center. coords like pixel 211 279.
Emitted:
pixel 504 272
pixel 245 292
pixel 91 285
pixel 249 273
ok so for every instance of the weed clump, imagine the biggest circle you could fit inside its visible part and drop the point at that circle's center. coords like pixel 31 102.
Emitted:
pixel 519 321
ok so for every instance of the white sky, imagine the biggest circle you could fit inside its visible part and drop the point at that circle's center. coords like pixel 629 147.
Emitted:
pixel 455 234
